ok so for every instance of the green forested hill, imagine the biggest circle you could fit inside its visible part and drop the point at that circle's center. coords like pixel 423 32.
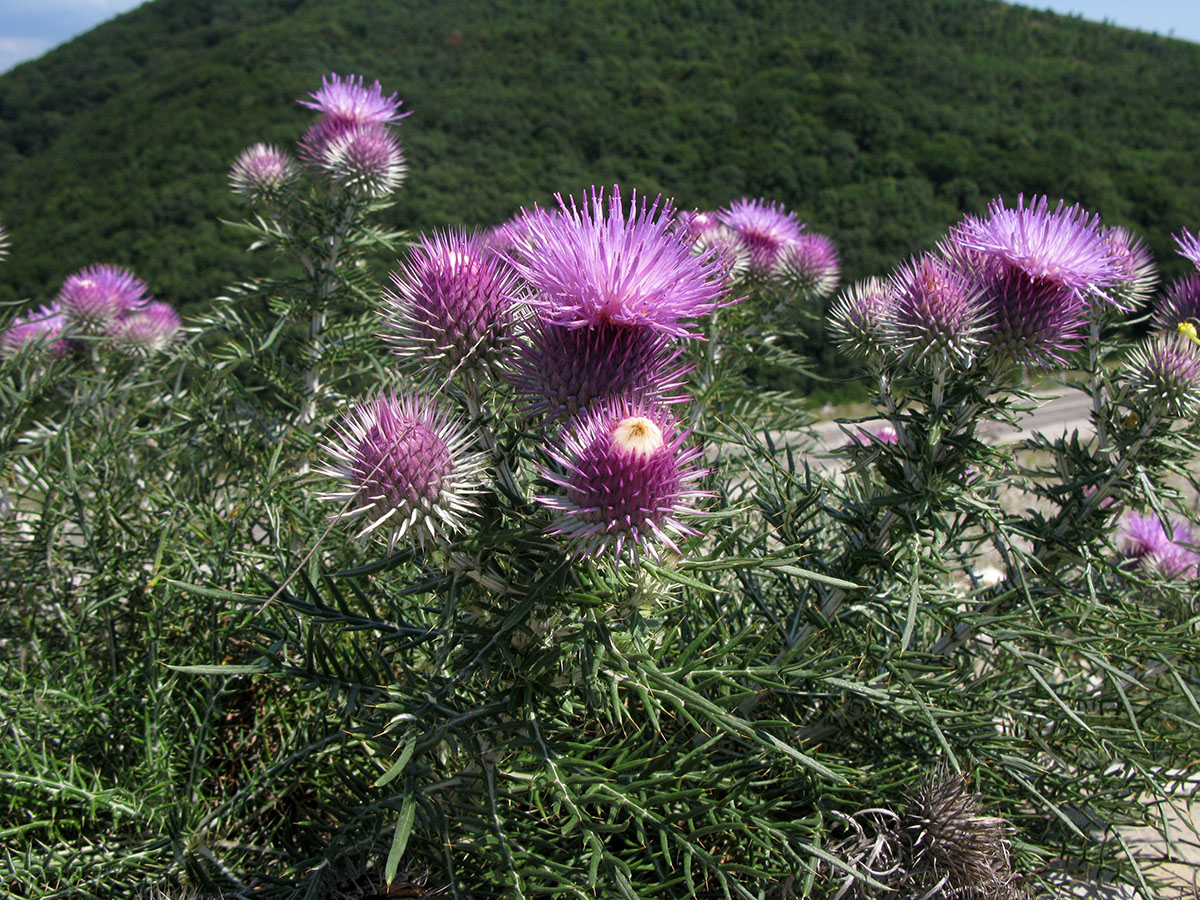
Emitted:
pixel 876 120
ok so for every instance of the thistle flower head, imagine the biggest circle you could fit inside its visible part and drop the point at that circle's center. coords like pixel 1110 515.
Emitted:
pixel 694 224
pixel 1179 304
pixel 597 263
pixel 1144 539
pixel 452 303
pixel 347 102
pixel 1164 372
pixel 863 320
pixel 38 331
pixel 95 297
pixel 938 312
pixel 1189 246
pixel 145 330
pixel 1137 276
pixel 766 228
pixel 1063 247
pixel 405 467
pixel 625 481
pixel 866 437
pixel 809 266
pixel 367 160
pixel 728 248
pixel 262 172
pixel 559 371
pixel 1031 321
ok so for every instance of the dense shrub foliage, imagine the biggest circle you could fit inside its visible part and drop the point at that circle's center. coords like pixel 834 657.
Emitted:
pixel 504 577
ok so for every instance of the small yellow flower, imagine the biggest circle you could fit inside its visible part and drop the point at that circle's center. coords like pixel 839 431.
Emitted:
pixel 1188 329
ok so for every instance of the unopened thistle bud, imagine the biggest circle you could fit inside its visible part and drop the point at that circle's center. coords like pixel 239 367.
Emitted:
pixel 367 160
pixel 262 173
pixel 1179 305
pixel 1164 372
pixel 863 320
pixel 95 297
pixel 4 242
pixel 1137 275
pixel 938 313
pixel 146 330
pixel 406 469
pixel 452 304
pixel 809 267
pixel 625 481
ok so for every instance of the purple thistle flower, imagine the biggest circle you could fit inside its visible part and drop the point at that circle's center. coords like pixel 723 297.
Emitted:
pixel 1180 303
pixel 695 224
pixel 1137 275
pixel 1189 246
pixel 262 172
pixel 1032 321
pixel 366 160
pixel 453 303
pixel 866 437
pixel 1064 247
pixel 626 481
pixel 146 330
pixel 405 467
pixel 766 229
pixel 559 371
pixel 809 266
pixel 938 312
pixel 36 332
pixel 597 264
pixel 96 296
pixel 347 102
pixel 1164 372
pixel 1144 540
pixel 863 320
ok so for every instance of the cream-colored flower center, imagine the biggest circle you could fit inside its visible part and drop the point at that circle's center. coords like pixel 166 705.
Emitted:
pixel 637 434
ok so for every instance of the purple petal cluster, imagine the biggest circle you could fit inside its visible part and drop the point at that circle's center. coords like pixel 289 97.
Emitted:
pixel 558 372
pixel 262 172
pixel 405 469
pixel 1189 246
pixel 599 263
pixel 625 481
pixel 36 332
pixel 1144 540
pixel 766 229
pixel 452 303
pixel 95 297
pixel 347 102
pixel 937 312
pixel 1164 372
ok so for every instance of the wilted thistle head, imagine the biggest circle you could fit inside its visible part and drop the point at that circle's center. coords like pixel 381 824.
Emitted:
pixel 1180 303
pixel 809 266
pixel 405 468
pixel 1164 373
pixel 1144 539
pixel 1137 276
pixel 1189 246
pixel 938 312
pixel 95 297
pixel 346 102
pixel 367 160
pixel 262 173
pixel 863 320
pixel 37 332
pixel 145 330
pixel 597 263
pixel 452 304
pixel 765 227
pixel 952 848
pixel 558 371
pixel 626 481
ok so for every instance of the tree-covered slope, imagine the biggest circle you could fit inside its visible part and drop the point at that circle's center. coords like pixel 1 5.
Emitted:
pixel 876 120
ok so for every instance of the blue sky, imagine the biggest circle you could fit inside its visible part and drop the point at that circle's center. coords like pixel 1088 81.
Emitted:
pixel 28 28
